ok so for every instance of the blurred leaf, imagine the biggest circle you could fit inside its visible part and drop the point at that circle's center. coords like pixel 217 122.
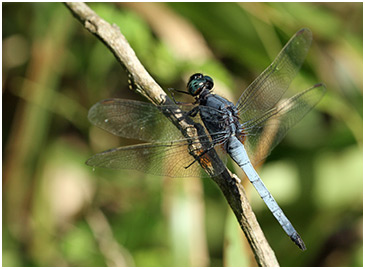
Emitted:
pixel 79 247
pixel 235 247
pixel 339 179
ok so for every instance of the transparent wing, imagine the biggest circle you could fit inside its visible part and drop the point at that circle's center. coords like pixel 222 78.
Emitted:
pixel 268 88
pixel 265 132
pixel 134 119
pixel 172 159
pixel 167 155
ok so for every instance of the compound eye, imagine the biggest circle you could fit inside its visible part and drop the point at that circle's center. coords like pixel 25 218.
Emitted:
pixel 199 82
pixel 209 82
pixel 195 86
pixel 196 76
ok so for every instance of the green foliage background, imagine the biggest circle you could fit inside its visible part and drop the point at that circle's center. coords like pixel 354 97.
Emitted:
pixel 59 212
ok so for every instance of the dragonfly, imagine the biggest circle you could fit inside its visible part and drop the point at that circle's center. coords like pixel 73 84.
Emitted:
pixel 247 131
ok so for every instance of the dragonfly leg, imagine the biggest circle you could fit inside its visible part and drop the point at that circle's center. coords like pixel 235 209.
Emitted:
pixel 193 112
pixel 200 155
pixel 172 90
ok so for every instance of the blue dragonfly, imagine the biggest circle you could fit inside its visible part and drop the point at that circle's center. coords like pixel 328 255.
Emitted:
pixel 247 131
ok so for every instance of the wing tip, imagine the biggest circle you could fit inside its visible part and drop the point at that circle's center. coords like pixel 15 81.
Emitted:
pixel 320 84
pixel 321 87
pixel 304 31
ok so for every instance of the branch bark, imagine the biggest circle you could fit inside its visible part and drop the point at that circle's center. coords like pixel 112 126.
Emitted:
pixel 229 184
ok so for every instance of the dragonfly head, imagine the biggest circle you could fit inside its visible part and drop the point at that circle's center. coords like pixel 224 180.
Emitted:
pixel 199 83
